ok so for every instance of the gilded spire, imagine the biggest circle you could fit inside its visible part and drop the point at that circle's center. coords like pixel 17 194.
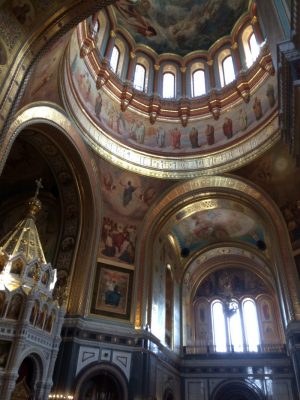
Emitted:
pixel 24 238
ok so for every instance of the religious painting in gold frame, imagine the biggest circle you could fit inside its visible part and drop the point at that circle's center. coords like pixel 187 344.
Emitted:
pixel 112 291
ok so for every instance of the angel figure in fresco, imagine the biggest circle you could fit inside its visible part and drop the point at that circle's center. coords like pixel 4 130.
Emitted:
pixel 130 12
pixel 108 182
pixel 129 189
pixel 147 195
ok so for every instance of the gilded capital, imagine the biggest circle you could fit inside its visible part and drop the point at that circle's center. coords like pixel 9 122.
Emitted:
pixel 112 34
pixel 156 67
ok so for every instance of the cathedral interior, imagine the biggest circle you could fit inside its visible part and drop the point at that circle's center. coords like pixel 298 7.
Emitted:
pixel 150 199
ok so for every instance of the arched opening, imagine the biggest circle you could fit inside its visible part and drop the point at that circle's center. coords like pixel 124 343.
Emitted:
pixel 102 382
pixel 28 374
pixel 236 391
pixel 168 395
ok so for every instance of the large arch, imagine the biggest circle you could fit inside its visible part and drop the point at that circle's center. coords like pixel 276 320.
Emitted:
pixel 68 142
pixel 190 192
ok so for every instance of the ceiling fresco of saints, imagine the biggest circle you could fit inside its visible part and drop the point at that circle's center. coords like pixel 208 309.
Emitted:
pixel 179 26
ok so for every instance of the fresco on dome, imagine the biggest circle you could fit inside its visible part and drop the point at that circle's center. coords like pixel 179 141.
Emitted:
pixel 219 224
pixel 168 138
pixel 127 198
pixel 240 281
pixel 179 26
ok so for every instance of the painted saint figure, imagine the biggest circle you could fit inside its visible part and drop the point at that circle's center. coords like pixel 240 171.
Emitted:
pixel 160 137
pixel 175 138
pixel 257 108
pixel 194 138
pixel 210 134
pixel 140 132
pixel 98 106
pixel 227 128
pixel 270 95
pixel 243 119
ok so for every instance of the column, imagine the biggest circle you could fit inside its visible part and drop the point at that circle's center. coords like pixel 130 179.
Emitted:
pixel 183 81
pixel 110 45
pixel 256 29
pixel 131 67
pixel 155 80
pixel 211 71
pixel 236 58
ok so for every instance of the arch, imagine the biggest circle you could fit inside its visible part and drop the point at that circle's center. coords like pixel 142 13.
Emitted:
pixel 237 390
pixel 169 81
pixel 251 53
pixel 168 394
pixel 64 135
pixel 94 371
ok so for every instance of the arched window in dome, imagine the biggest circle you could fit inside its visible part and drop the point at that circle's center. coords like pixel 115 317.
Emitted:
pixel 114 59
pixel 228 74
pixel 168 85
pixel 250 45
pixel 254 47
pixel 139 81
pixel 198 83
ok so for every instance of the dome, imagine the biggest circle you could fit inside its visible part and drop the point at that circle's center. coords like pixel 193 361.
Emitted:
pixel 177 114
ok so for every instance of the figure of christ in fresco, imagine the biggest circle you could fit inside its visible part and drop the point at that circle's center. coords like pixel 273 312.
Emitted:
pixel 227 128
pixel 160 137
pixel 128 192
pixel 257 108
pixel 175 138
pixel 210 134
pixel 194 138
pixel 243 119
pixel 98 106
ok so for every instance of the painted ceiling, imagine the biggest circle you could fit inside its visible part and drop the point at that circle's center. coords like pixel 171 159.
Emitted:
pixel 179 26
pixel 213 221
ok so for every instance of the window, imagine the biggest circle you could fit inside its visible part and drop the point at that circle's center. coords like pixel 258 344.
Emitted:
pixel 227 71
pixel 229 333
pixel 198 83
pixel 168 85
pixel 139 77
pixel 114 60
pixel 254 47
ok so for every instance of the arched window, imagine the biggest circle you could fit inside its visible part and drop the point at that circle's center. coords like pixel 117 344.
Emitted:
pixel 139 77
pixel 168 85
pixel 251 325
pixel 235 328
pixel 228 74
pixel 198 83
pixel 114 59
pixel 219 327
pixel 254 47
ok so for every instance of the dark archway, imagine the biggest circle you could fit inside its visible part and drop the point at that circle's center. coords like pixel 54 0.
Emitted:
pixel 168 395
pixel 102 382
pixel 236 391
